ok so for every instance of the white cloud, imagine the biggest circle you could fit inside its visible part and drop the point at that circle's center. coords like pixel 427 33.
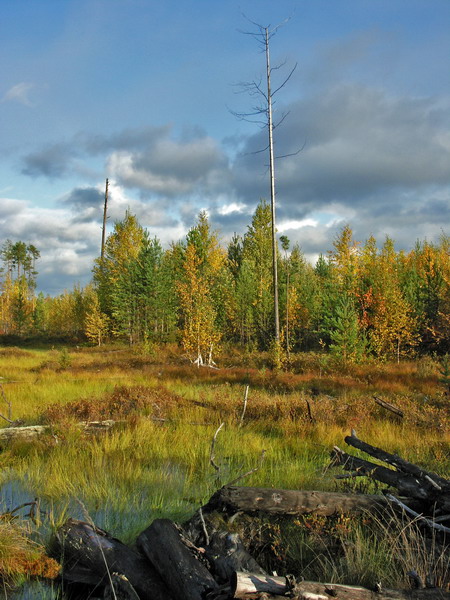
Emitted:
pixel 19 93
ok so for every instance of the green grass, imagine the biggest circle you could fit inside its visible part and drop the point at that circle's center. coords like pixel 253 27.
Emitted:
pixel 145 469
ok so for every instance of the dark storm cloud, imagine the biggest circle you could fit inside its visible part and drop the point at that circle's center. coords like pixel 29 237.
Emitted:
pixel 52 161
pixel 128 139
pixel 358 143
pixel 86 203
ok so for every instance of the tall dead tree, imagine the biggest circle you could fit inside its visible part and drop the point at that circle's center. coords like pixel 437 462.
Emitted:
pixel 263 35
pixel 105 212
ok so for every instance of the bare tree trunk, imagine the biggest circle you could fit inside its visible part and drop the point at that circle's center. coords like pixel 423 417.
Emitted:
pixel 105 210
pixel 272 192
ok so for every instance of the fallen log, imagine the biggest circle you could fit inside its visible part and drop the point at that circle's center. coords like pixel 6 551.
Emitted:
pixel 406 484
pixel 234 499
pixel 399 463
pixel 185 576
pixel 91 556
pixel 245 585
pixel 31 432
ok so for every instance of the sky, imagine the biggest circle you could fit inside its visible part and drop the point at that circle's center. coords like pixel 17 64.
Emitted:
pixel 144 92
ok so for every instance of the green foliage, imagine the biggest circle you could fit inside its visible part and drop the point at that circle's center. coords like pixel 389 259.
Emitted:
pixel 347 342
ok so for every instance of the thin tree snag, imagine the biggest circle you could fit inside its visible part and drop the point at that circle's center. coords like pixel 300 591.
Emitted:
pixel 245 585
pixel 90 556
pixel 291 502
pixel 185 576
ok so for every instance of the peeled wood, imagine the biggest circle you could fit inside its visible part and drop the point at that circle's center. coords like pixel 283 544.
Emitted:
pixel 89 556
pixel 245 585
pixel 185 576
pixel 291 502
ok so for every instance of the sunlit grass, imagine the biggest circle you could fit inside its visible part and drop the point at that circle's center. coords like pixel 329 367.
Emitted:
pixel 157 462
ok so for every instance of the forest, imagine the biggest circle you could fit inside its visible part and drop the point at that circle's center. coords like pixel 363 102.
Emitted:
pixel 361 300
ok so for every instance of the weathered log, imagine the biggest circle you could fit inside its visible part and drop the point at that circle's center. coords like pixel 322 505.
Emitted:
pixel 90 556
pixel 185 576
pixel 244 585
pixel 291 502
pixel 31 432
pixel 399 463
pixel 406 484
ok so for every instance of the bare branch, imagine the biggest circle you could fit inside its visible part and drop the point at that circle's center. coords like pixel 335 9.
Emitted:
pixel 213 444
pixel 250 472
pixel 244 408
pixel 285 81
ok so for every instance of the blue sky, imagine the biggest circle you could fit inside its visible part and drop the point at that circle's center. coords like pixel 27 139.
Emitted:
pixel 140 92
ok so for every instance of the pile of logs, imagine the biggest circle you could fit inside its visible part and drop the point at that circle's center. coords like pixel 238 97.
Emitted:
pixel 198 562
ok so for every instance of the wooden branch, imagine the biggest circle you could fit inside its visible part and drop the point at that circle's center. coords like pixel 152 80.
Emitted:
pixel 249 585
pixel 291 502
pixel 212 455
pixel 244 408
pixel 250 472
pixel 431 523
pixel 389 407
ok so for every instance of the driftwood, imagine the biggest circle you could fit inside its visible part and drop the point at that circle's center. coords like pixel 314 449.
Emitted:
pixel 91 556
pixel 244 585
pixel 185 576
pixel 291 502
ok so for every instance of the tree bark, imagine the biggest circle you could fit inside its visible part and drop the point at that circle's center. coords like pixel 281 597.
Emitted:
pixel 185 576
pixel 91 556
pixel 291 502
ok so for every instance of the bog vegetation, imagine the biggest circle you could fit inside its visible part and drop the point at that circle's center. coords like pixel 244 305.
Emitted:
pixel 363 321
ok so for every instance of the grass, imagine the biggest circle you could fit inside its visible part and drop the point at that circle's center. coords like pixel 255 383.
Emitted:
pixel 147 468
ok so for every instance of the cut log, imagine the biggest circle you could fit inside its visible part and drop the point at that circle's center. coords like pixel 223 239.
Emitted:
pixel 90 556
pixel 185 576
pixel 291 502
pixel 245 585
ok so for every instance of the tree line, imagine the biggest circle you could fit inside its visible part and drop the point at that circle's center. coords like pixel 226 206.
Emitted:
pixel 359 300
